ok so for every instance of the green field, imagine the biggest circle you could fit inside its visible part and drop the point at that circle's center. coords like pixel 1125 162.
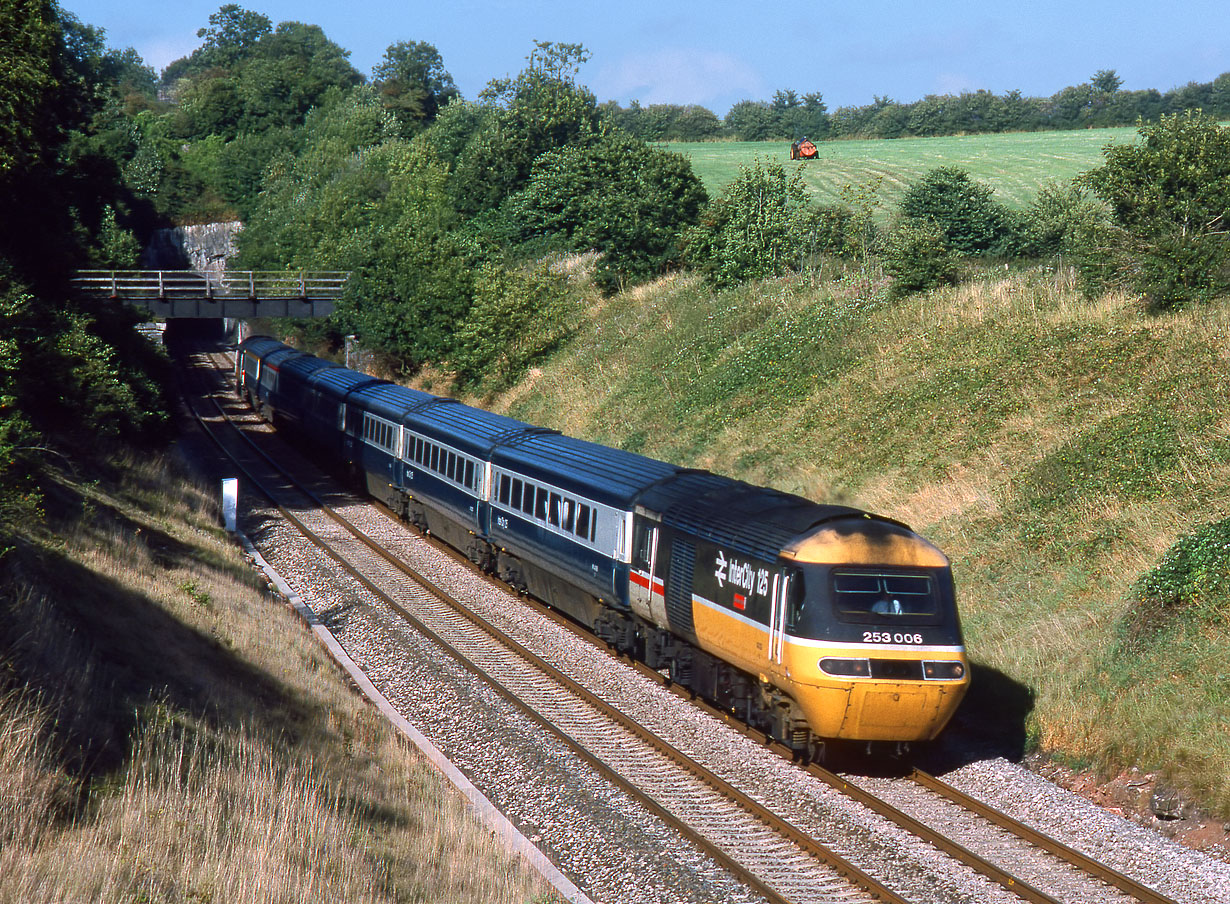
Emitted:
pixel 1014 164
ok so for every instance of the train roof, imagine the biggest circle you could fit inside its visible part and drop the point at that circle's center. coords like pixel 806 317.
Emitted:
pixel 262 345
pixel 389 400
pixel 302 365
pixel 607 475
pixel 757 521
pixel 341 382
pixel 470 429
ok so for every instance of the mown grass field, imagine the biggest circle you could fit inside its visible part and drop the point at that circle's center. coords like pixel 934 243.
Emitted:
pixel 1054 447
pixel 1014 164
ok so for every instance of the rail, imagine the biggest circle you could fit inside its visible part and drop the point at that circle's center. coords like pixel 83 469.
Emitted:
pixel 250 285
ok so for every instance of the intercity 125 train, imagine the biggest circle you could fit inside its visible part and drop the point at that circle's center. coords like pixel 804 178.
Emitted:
pixel 811 622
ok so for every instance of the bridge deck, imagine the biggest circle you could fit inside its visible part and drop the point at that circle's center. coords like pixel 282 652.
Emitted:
pixel 237 294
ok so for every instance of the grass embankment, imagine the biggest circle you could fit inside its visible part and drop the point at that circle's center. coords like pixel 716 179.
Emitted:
pixel 170 732
pixel 1014 164
pixel 1055 448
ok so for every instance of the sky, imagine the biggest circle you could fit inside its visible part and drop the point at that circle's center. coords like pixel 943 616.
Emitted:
pixel 718 52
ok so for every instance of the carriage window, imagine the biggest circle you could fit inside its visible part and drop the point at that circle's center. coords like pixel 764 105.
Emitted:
pixel 435 458
pixel 515 501
pixel 527 499
pixel 470 475
pixel 450 470
pixel 553 510
pixel 505 488
pixel 583 525
pixel 568 514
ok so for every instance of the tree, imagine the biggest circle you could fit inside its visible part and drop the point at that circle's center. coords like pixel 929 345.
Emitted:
pixel 413 83
pixel 750 120
pixel 247 78
pixel 232 32
pixel 540 110
pixel 616 195
pixel 918 258
pixel 1170 194
pixel 29 41
pixel 761 226
pixel 969 218
pixel 1106 82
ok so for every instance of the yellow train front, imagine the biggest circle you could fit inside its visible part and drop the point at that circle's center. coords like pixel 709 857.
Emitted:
pixel 813 622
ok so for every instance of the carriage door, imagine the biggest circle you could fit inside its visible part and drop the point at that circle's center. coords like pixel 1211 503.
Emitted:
pixel 644 590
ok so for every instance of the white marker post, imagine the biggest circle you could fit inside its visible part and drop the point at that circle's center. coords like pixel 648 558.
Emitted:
pixel 230 502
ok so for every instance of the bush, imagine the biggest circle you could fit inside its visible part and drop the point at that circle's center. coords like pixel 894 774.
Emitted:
pixel 1055 220
pixel 1193 577
pixel 1170 194
pixel 517 317
pixel 761 226
pixel 918 258
pixel 616 195
pixel 972 222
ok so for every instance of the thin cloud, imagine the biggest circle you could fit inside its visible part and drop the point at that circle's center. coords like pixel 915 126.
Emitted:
pixel 677 76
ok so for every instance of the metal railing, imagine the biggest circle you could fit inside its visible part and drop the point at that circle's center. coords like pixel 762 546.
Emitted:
pixel 252 285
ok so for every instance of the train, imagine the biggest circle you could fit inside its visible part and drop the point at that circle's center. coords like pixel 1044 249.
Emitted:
pixel 817 624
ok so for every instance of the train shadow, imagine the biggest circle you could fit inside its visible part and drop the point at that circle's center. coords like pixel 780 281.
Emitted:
pixel 991 722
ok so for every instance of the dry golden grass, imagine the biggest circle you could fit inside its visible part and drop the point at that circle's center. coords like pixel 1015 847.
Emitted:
pixel 225 758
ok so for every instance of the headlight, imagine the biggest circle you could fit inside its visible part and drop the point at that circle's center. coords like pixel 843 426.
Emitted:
pixel 846 668
pixel 943 669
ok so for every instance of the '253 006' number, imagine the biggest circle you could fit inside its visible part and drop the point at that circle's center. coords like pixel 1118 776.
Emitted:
pixel 886 637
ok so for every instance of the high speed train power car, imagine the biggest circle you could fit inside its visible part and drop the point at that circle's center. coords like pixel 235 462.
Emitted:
pixel 811 622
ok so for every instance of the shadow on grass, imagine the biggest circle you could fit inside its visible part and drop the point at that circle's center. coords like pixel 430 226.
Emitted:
pixel 102 654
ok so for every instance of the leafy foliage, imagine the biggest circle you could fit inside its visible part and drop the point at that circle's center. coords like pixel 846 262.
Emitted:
pixel 414 84
pixel 1170 194
pixel 1058 220
pixel 918 257
pixel 517 317
pixel 761 226
pixel 540 110
pixel 616 195
pixel 1192 578
pixel 970 220
pixel 360 198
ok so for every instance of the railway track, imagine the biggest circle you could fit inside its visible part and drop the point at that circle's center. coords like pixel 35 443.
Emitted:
pixel 722 816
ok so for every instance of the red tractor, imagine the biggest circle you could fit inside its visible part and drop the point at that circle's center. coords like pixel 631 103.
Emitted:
pixel 803 150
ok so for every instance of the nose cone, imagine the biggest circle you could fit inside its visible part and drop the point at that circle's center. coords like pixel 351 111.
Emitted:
pixel 863 541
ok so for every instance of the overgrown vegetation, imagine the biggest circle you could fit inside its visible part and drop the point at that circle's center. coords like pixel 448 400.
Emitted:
pixel 1170 196
pixel 169 732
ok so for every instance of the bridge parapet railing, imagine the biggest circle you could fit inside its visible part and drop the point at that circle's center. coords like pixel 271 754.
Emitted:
pixel 233 284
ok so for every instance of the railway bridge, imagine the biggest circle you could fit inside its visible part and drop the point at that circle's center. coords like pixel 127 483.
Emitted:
pixel 233 294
